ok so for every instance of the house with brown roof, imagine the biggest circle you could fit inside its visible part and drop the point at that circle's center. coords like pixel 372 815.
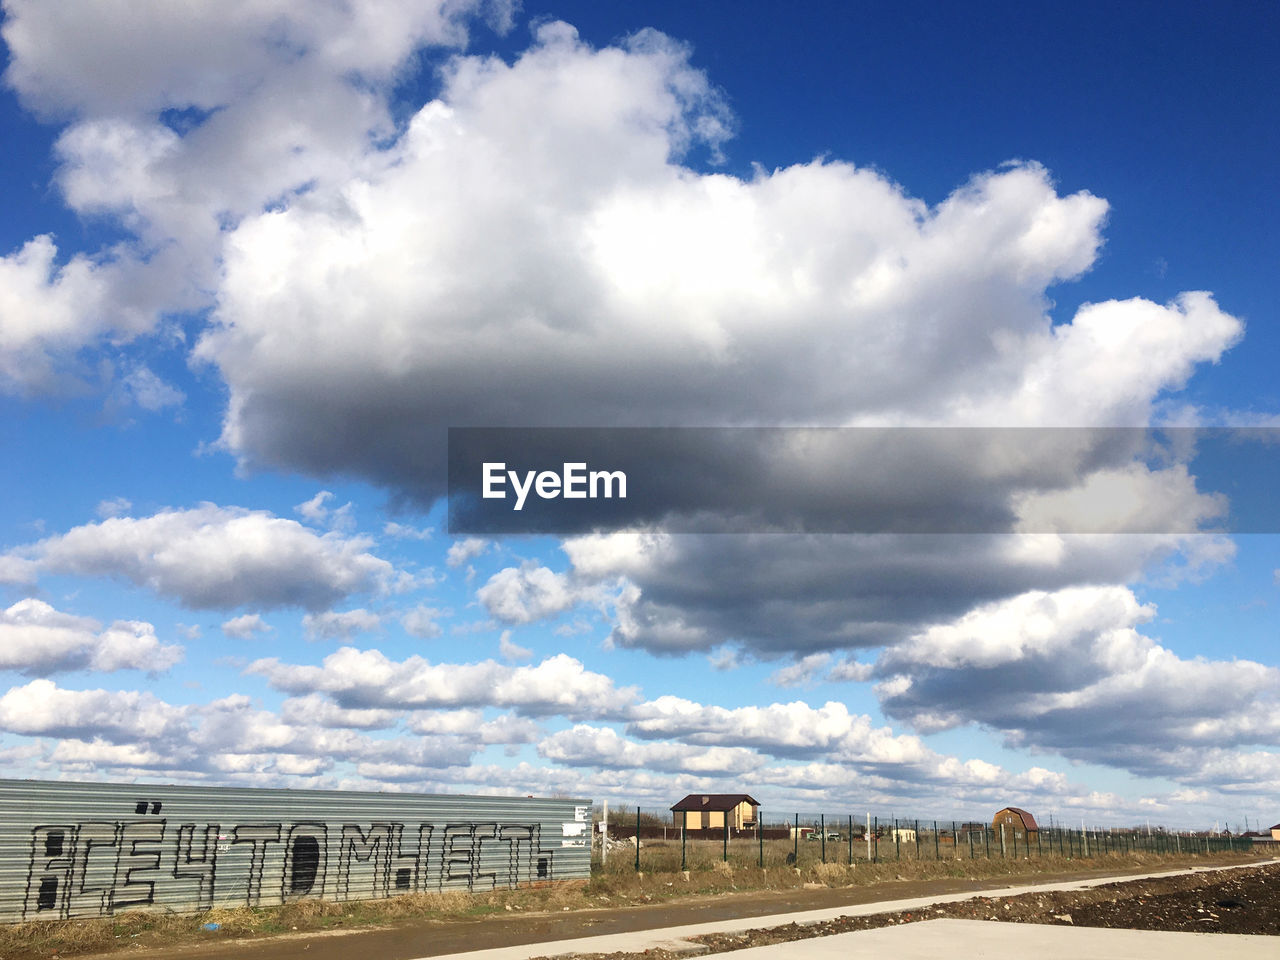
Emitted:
pixel 709 811
pixel 1275 832
pixel 1020 824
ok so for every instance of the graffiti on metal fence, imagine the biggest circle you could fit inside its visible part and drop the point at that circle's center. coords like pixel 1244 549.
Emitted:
pixel 100 867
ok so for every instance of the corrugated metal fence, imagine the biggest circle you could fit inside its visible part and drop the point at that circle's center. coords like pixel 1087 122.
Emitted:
pixel 94 849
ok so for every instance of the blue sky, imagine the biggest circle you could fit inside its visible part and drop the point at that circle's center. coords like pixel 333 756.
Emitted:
pixel 255 263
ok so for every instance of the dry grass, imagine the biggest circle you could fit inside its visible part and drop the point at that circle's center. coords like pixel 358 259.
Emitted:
pixel 615 885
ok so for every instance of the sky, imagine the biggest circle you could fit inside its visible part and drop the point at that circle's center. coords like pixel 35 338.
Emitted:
pixel 257 258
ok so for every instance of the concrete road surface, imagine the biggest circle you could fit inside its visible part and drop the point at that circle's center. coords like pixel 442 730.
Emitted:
pixel 966 939
pixel 953 939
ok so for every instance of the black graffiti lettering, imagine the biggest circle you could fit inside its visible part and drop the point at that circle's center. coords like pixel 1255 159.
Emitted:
pixel 49 872
pixel 47 898
pixel 487 880
pixel 188 866
pixel 422 879
pixel 458 853
pixel 53 843
pixel 305 856
pixel 139 861
pixel 522 840
pixel 373 848
pixel 462 854
pixel 96 868
pixel 402 868
pixel 93 868
pixel 258 834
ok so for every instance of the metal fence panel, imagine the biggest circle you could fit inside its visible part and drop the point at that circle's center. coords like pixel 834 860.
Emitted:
pixel 94 849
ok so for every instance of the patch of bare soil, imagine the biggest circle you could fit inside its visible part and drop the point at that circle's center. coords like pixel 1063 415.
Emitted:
pixel 1221 901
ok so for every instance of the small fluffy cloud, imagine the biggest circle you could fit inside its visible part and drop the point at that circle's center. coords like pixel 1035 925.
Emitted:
pixel 318 710
pixel 528 593
pixel 423 622
pixel 49 311
pixel 317 512
pixel 38 640
pixel 512 651
pixel 113 507
pixel 143 387
pixel 460 551
pixel 804 672
pixel 215 558
pixel 245 627
pixel 340 625
pixel 602 747
pixel 402 531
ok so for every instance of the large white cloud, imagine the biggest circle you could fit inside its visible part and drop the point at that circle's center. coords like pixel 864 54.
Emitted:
pixel 183 118
pixel 216 558
pixel 36 639
pixel 1069 671
pixel 612 285
pixel 777 595
pixel 41 708
pixel 369 679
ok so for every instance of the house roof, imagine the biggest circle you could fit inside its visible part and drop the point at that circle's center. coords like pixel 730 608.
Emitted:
pixel 713 801
pixel 1274 827
pixel 1028 820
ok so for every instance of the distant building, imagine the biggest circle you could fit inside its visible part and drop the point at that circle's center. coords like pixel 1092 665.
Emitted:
pixel 1022 825
pixel 708 811
pixel 1275 832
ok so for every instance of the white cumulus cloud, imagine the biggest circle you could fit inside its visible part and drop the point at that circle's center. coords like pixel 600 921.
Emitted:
pixel 212 558
pixel 37 639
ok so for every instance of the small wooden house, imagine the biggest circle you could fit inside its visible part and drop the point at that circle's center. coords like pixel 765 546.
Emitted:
pixel 1018 824
pixel 709 811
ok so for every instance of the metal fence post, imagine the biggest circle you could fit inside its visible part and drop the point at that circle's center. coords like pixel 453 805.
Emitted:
pixel 822 825
pixel 875 837
pixel 936 854
pixel 637 839
pixel 795 840
pixel 684 829
pixel 726 837
pixel 760 834
pixel 851 839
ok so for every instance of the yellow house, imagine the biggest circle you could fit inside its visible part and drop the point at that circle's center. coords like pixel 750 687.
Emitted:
pixel 708 811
